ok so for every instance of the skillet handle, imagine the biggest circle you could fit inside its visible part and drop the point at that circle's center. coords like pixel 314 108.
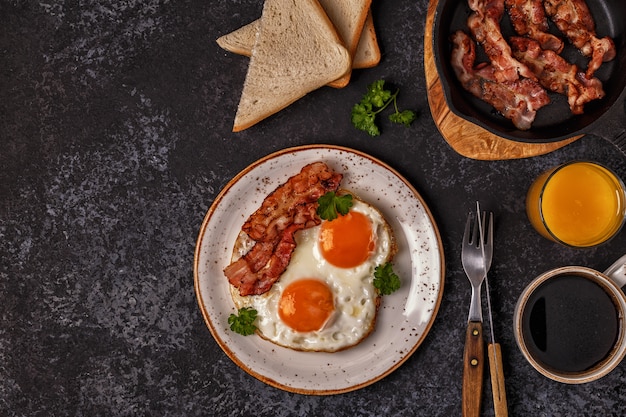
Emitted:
pixel 612 126
pixel 620 140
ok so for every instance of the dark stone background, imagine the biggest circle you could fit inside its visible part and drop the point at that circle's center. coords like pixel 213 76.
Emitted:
pixel 115 137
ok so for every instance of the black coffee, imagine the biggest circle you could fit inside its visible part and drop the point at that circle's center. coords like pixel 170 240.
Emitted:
pixel 570 323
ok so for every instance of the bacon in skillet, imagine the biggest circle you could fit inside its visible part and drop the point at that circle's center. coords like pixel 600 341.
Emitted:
pixel 289 208
pixel 529 19
pixel 556 74
pixel 484 23
pixel 573 18
pixel 517 100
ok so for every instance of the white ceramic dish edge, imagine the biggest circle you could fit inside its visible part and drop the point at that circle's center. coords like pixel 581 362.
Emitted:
pixel 405 317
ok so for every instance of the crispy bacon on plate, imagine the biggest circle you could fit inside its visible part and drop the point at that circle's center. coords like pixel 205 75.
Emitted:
pixel 529 19
pixel 573 18
pixel 517 100
pixel 556 74
pixel 484 24
pixel 289 208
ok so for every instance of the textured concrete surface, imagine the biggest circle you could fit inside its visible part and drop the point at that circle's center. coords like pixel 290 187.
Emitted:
pixel 115 133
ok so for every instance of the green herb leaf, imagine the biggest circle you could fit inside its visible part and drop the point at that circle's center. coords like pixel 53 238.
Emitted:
pixel 330 205
pixel 364 119
pixel 405 117
pixel 375 100
pixel 244 322
pixel 376 94
pixel 385 280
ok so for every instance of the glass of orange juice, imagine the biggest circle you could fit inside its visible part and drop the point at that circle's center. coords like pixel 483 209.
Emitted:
pixel 578 204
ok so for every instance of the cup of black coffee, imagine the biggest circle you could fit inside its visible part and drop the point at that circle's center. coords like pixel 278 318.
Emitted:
pixel 570 324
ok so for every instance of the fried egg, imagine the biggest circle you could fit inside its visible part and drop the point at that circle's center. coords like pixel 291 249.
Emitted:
pixel 326 300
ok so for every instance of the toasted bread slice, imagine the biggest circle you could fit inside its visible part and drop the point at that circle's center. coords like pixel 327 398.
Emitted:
pixel 367 55
pixel 348 17
pixel 240 41
pixel 296 51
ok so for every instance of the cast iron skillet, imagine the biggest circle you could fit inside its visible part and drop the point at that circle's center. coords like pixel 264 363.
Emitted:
pixel 554 122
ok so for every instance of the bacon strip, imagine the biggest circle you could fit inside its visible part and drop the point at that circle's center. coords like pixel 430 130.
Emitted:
pixel 573 18
pixel 556 74
pixel 289 208
pixel 484 24
pixel 529 19
pixel 517 100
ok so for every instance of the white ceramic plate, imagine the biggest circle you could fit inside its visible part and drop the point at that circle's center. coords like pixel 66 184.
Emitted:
pixel 405 317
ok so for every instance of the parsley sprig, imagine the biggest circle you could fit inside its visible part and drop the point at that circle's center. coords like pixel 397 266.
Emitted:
pixel 331 204
pixel 385 280
pixel 244 322
pixel 375 101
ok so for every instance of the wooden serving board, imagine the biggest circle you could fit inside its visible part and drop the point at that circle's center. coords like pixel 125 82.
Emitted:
pixel 465 137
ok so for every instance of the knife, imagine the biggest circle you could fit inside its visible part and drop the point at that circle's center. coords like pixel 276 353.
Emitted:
pixel 494 351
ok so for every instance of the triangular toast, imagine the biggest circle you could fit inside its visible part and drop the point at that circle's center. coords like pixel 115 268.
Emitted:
pixel 296 51
pixel 348 16
pixel 367 55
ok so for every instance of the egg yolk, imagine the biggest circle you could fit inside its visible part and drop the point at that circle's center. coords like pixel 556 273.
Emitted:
pixel 347 241
pixel 305 305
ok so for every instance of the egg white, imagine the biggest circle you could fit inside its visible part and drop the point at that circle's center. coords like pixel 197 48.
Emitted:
pixel 355 297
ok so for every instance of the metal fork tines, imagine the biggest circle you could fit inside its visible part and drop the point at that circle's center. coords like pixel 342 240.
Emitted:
pixel 474 264
pixel 487 240
pixel 473 259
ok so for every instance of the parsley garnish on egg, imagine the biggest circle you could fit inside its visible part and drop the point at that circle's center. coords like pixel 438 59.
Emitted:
pixel 330 205
pixel 243 323
pixel 385 280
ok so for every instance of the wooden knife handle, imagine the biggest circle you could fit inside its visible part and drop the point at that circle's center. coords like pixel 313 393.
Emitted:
pixel 473 366
pixel 497 380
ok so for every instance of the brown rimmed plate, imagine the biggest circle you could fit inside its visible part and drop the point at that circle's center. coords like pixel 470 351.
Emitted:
pixel 405 317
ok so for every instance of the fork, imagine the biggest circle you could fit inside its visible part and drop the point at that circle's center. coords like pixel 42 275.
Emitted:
pixel 474 354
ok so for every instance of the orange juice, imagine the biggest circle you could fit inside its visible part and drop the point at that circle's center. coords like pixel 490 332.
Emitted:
pixel 578 204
